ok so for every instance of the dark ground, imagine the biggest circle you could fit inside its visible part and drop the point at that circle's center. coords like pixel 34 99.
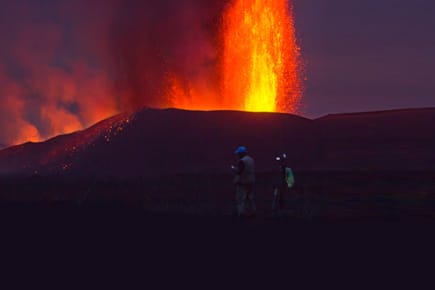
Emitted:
pixel 318 197
pixel 183 229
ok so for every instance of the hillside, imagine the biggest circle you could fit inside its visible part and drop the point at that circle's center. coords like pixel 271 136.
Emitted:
pixel 166 142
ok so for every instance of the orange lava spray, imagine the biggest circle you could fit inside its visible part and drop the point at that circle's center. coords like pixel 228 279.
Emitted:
pixel 261 57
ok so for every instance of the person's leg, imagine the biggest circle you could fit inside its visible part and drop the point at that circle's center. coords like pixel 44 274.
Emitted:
pixel 275 204
pixel 251 197
pixel 241 196
pixel 282 196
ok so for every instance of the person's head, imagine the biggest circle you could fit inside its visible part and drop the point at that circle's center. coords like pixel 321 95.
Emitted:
pixel 241 151
pixel 281 159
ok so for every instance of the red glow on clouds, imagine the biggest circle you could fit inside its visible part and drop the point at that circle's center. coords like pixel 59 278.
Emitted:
pixel 108 57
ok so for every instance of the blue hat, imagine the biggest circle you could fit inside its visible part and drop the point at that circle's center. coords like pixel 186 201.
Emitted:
pixel 241 150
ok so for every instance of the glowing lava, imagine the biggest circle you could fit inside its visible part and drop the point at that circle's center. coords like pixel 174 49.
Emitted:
pixel 261 56
pixel 260 60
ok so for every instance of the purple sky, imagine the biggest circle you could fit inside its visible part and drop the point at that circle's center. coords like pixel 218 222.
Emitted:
pixel 367 55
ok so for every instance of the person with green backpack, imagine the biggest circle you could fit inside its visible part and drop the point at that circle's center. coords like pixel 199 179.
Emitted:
pixel 286 181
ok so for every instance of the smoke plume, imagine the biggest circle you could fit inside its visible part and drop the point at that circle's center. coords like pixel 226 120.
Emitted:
pixel 65 65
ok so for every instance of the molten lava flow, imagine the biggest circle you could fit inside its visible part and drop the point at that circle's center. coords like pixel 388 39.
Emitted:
pixel 261 57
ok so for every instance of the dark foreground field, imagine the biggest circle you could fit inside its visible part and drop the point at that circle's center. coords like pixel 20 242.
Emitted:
pixel 318 197
pixel 184 226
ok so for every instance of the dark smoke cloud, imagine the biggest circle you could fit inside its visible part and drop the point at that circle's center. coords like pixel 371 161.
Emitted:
pixel 67 64
pixel 157 37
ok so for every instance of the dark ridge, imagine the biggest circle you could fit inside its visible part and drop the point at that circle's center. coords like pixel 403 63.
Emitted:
pixel 380 113
pixel 154 143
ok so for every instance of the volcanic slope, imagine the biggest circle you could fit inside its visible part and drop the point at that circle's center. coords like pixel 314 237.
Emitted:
pixel 151 143
pixel 398 140
pixel 160 142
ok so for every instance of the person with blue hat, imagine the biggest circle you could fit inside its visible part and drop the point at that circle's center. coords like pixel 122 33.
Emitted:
pixel 244 181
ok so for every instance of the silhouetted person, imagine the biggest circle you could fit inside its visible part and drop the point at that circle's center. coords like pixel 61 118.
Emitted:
pixel 244 181
pixel 285 181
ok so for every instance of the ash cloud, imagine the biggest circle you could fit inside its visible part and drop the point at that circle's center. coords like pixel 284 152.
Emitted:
pixel 65 65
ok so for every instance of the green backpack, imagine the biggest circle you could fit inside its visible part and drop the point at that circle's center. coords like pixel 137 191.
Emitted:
pixel 289 177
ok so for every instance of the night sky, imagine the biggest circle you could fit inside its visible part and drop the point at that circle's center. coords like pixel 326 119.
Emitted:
pixel 360 55
pixel 367 55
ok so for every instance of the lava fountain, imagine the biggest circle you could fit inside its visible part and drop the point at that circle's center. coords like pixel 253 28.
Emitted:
pixel 261 56
pixel 259 63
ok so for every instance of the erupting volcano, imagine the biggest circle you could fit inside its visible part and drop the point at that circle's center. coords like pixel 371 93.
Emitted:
pixel 57 78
